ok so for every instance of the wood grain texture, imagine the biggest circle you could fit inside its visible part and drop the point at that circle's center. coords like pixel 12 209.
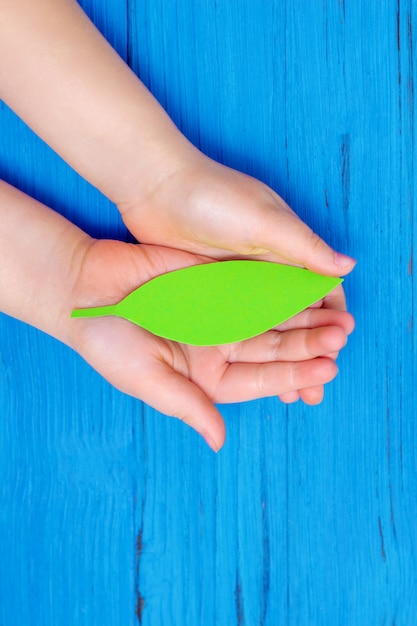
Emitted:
pixel 112 514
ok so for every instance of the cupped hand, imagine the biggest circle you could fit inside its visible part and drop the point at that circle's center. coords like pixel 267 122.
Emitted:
pixel 295 360
pixel 206 208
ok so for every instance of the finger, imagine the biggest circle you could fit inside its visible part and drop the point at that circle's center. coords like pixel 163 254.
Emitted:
pixel 289 397
pixel 336 299
pixel 284 234
pixel 312 395
pixel 292 345
pixel 186 401
pixel 245 381
pixel 333 356
pixel 317 318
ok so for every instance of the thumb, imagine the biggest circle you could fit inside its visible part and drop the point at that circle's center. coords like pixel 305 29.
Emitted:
pixel 290 238
pixel 319 257
pixel 186 401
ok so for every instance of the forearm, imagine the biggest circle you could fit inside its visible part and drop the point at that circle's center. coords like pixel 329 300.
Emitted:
pixel 61 76
pixel 41 253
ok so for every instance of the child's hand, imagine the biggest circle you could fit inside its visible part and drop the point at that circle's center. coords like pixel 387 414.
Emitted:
pixel 183 381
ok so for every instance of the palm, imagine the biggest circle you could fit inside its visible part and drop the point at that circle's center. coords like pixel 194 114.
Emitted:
pixel 185 381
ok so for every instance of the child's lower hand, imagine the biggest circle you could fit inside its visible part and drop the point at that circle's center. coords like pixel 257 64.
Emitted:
pixel 294 361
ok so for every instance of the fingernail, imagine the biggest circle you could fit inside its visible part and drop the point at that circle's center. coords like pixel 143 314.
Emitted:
pixel 343 261
pixel 211 443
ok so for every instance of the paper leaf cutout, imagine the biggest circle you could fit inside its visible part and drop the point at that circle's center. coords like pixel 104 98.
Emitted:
pixel 218 303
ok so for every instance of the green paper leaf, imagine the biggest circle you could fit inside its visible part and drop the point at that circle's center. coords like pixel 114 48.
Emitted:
pixel 218 303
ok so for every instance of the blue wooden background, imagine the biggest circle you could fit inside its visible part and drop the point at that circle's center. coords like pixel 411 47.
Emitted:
pixel 112 514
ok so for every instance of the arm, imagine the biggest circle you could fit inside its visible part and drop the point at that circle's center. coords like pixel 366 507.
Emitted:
pixel 49 266
pixel 60 75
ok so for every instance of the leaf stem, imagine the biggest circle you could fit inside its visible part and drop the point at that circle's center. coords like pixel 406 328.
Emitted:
pixel 98 311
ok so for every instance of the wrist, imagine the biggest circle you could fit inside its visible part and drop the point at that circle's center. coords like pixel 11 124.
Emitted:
pixel 146 163
pixel 42 256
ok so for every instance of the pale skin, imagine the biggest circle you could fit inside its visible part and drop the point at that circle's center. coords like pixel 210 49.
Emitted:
pixel 50 266
pixel 71 87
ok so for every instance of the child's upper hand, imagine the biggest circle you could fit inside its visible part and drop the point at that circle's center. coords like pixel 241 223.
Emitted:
pixel 118 137
pixel 185 381
pixel 207 208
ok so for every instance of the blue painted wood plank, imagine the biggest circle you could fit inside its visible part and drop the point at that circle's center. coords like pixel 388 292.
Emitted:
pixel 371 554
pixel 66 488
pixel 112 513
